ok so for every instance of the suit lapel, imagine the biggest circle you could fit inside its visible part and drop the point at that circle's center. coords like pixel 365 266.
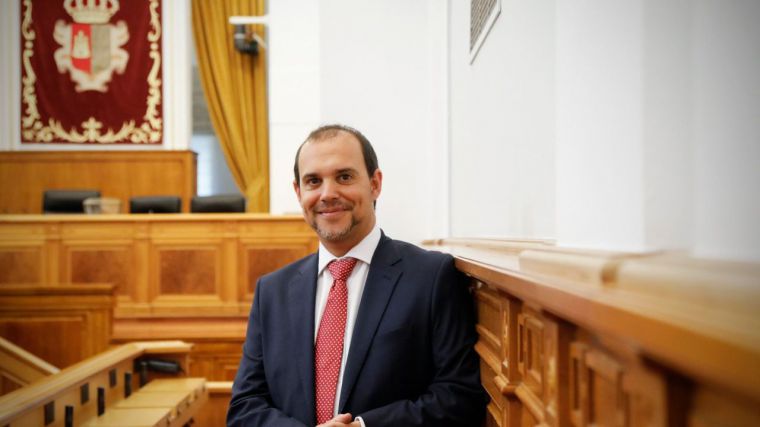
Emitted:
pixel 381 281
pixel 301 299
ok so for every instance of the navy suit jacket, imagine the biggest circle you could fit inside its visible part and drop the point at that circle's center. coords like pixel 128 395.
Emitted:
pixel 411 361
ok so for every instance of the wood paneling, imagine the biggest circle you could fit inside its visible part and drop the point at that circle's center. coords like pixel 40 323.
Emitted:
pixel 591 338
pixel 260 260
pixel 20 265
pixel 60 324
pixel 214 413
pixel 161 265
pixel 86 266
pixel 188 271
pixel 119 174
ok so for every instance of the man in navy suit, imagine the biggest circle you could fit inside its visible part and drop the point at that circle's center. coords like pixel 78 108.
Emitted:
pixel 402 345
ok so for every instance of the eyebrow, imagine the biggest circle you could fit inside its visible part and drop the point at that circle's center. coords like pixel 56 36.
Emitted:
pixel 308 176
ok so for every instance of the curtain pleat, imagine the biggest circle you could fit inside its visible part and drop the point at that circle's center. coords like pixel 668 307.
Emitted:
pixel 234 85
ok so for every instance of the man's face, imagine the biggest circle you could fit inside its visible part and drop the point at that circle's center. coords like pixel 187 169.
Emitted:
pixel 335 191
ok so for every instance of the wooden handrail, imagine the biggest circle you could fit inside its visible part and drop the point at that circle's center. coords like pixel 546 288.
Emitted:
pixel 49 388
pixel 21 366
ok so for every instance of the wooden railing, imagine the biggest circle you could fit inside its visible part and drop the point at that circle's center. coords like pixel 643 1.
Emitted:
pixel 582 338
pixel 106 387
pixel 18 367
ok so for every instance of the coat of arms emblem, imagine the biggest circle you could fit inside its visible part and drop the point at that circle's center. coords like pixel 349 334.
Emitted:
pixel 91 46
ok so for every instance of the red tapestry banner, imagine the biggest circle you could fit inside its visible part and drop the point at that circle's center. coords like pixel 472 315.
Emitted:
pixel 91 71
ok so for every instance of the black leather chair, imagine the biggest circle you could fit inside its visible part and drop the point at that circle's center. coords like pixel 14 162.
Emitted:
pixel 220 203
pixel 155 204
pixel 66 201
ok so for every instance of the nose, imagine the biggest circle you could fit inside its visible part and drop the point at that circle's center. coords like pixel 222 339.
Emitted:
pixel 329 190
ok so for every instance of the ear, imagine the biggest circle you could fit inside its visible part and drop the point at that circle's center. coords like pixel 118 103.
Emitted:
pixel 376 183
pixel 297 189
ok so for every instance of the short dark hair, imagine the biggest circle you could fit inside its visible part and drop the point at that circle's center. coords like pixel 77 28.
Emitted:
pixel 329 131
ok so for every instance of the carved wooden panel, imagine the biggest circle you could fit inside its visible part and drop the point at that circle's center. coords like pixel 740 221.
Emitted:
pixel 188 271
pixel 162 265
pixel 20 265
pixel 102 265
pixel 262 259
pixel 490 327
pixel 531 351
pixel 646 398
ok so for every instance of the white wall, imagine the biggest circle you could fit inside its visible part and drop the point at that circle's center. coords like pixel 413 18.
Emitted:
pixel 649 139
pixel 176 45
pixel 726 128
pixel 294 91
pixel 502 124
pixel 378 66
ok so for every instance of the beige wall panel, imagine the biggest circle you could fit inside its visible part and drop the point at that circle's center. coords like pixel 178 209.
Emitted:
pixel 119 174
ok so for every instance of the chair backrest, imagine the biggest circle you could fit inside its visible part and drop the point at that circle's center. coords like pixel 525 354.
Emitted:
pixel 220 203
pixel 155 204
pixel 66 201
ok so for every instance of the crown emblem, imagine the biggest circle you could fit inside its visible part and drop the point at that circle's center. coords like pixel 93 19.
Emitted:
pixel 91 11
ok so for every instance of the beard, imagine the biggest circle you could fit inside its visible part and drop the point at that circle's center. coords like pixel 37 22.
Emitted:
pixel 334 235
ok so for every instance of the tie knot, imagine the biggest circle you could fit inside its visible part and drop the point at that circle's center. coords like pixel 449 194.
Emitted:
pixel 341 268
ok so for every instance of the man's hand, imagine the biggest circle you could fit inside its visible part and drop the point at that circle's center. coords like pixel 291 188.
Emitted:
pixel 341 420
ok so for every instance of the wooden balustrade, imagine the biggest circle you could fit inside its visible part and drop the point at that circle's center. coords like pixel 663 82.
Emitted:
pixel 105 390
pixel 18 367
pixel 584 338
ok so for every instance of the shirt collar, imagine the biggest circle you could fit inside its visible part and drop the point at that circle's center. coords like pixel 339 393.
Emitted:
pixel 363 251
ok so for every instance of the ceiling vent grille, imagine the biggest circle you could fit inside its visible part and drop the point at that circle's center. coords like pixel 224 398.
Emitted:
pixel 483 14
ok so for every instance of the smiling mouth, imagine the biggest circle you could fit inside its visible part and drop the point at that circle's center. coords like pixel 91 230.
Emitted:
pixel 331 211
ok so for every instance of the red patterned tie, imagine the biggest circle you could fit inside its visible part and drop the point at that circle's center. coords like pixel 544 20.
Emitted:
pixel 328 351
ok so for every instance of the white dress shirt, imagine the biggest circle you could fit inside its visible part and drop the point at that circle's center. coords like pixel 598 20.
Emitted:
pixel 363 253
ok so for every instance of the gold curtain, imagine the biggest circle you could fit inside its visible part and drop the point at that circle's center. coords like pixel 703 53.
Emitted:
pixel 234 86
